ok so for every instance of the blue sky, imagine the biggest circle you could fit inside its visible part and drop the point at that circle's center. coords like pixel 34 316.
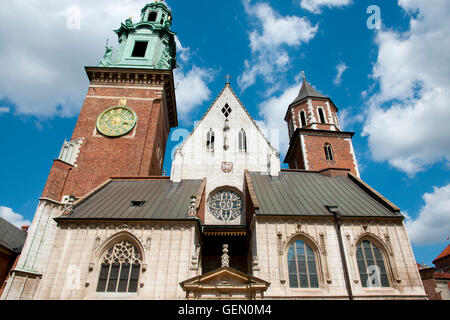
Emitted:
pixel 391 86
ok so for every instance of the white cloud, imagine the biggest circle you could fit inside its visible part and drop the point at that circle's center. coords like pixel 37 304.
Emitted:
pixel 407 121
pixel 340 69
pixel 276 33
pixel 44 53
pixel 272 112
pixel 191 90
pixel 15 218
pixel 183 53
pixel 315 6
pixel 191 86
pixel 348 117
pixel 4 110
pixel 433 222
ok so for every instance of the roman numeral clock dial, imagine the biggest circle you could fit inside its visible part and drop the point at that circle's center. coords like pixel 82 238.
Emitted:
pixel 116 121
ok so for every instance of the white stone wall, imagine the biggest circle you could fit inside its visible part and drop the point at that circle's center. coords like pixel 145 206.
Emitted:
pixel 74 265
pixel 35 253
pixel 442 287
pixel 274 236
pixel 193 161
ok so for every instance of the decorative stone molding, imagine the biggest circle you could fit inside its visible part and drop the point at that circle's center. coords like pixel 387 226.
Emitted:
pixel 387 239
pixel 148 244
pixel 225 257
pixel 195 258
pixel 323 246
pixel 255 263
pixel 192 210
pixel 280 243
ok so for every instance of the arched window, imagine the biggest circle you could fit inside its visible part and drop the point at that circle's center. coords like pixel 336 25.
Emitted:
pixel 328 152
pixel 242 141
pixel 302 118
pixel 302 266
pixel 210 141
pixel 120 269
pixel 321 116
pixel 371 265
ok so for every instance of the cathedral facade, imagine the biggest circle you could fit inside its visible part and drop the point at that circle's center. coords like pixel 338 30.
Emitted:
pixel 228 223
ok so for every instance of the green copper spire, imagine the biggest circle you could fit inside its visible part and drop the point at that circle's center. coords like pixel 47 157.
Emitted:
pixel 148 43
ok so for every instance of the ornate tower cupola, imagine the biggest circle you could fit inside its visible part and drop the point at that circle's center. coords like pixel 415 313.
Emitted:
pixel 316 140
pixel 148 43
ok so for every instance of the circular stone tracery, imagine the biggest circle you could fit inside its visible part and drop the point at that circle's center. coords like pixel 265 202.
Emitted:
pixel 225 205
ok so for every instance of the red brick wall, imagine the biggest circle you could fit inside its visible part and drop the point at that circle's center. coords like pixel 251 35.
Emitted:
pixel 56 180
pixel 296 159
pixel 315 154
pixel 101 157
pixel 316 104
pixel 316 158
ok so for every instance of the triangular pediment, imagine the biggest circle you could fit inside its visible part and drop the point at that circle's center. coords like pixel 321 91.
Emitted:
pixel 229 92
pixel 225 277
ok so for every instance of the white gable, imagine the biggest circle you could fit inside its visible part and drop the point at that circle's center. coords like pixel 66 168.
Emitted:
pixel 194 161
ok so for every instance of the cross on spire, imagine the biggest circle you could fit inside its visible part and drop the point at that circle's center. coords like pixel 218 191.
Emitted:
pixel 303 75
pixel 228 78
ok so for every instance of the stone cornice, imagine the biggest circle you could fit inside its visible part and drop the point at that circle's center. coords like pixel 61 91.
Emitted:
pixel 138 76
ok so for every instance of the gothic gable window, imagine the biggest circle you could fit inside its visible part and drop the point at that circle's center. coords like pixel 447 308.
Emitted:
pixel 226 110
pixel 120 269
pixel 302 118
pixel 210 141
pixel 328 152
pixel 225 205
pixel 242 141
pixel 372 270
pixel 302 266
pixel 321 116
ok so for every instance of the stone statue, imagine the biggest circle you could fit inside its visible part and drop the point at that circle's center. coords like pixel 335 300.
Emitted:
pixel 225 256
pixel 107 58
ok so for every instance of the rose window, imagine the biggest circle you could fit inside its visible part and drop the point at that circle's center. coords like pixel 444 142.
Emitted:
pixel 225 205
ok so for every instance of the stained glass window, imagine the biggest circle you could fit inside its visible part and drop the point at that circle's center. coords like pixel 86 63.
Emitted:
pixel 120 269
pixel 371 265
pixel 302 266
pixel 225 205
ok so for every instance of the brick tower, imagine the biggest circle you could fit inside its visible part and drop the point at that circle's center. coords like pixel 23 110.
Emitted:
pixel 122 130
pixel 316 141
pixel 129 109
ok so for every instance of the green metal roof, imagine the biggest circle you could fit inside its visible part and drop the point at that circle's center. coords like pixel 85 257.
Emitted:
pixel 307 194
pixel 164 200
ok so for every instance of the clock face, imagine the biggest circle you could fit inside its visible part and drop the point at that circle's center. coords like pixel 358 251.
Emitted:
pixel 116 121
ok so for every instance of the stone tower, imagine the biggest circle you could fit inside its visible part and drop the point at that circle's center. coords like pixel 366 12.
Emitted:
pixel 121 131
pixel 316 141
